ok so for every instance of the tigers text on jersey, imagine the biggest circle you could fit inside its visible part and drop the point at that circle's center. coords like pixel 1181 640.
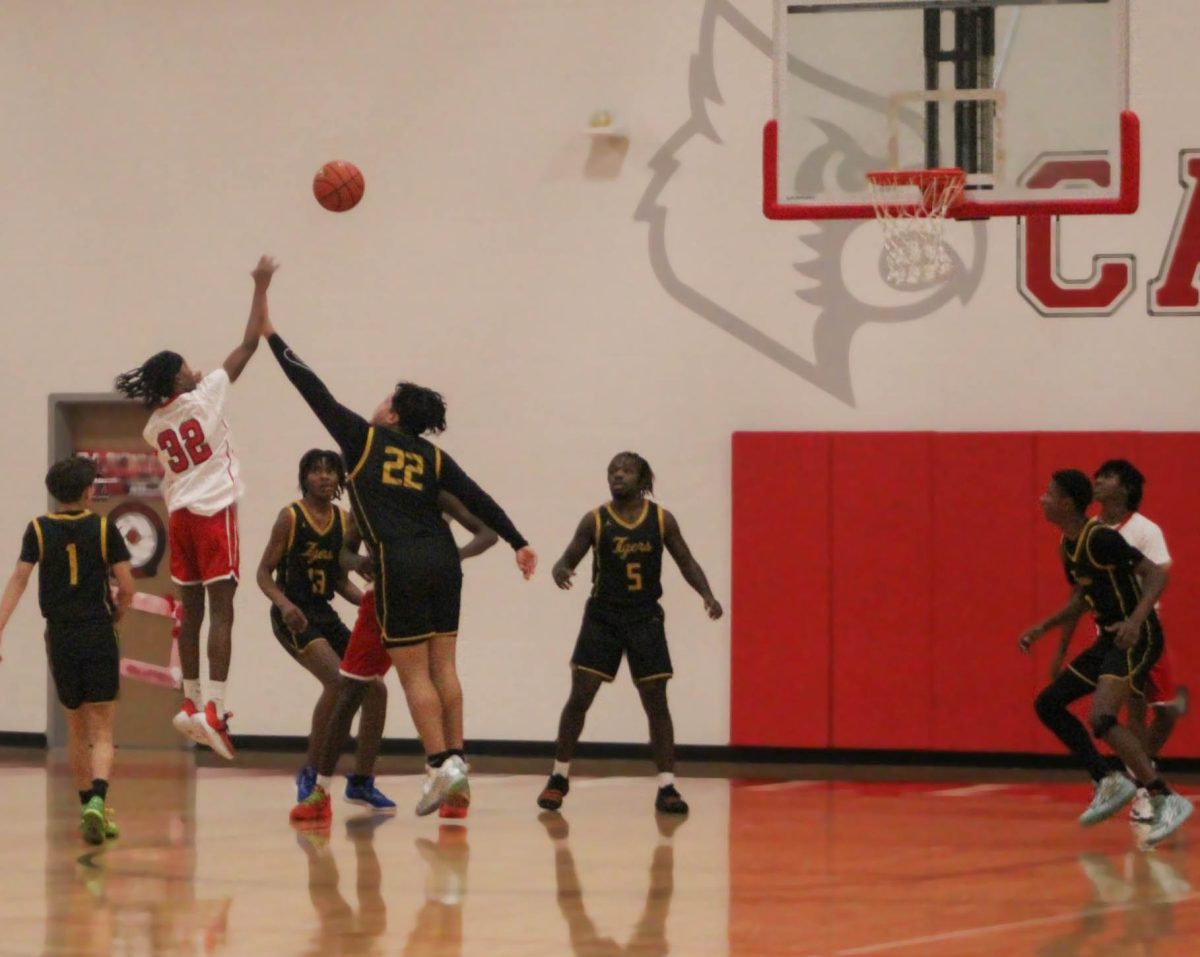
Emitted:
pixel 196 448
pixel 74 551
pixel 627 556
pixel 309 569
pixel 1102 564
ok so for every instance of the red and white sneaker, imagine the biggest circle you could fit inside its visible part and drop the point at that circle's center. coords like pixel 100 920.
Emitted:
pixel 184 722
pixel 214 730
pixel 314 809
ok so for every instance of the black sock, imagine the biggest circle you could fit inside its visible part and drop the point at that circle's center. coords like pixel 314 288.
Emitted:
pixel 1158 786
pixel 85 796
pixel 359 780
pixel 456 753
pixel 100 786
pixel 437 760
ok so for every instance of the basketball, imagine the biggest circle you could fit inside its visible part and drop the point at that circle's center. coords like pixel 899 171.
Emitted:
pixel 338 186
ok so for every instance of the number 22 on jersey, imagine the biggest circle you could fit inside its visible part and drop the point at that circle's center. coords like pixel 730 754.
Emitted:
pixel 403 468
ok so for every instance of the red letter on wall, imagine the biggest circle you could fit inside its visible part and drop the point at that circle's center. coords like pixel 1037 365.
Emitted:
pixel 1111 280
pixel 1173 291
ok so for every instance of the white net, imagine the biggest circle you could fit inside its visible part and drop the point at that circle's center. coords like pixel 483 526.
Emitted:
pixel 911 205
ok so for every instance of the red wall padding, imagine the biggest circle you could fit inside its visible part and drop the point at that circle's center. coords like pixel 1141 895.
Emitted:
pixel 781 589
pixel 880 581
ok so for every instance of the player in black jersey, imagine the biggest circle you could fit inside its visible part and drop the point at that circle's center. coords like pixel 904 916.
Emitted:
pixel 77 550
pixel 624 619
pixel 300 573
pixel 1120 586
pixel 394 486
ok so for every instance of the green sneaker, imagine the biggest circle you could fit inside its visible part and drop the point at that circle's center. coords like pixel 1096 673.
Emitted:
pixel 111 831
pixel 92 823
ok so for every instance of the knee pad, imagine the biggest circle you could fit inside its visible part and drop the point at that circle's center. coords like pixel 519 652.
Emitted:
pixel 1102 725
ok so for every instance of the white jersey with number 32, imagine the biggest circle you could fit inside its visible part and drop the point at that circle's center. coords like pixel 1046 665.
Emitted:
pixel 194 445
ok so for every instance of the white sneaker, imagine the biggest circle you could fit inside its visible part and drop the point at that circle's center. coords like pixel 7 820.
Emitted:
pixel 183 723
pixel 1141 811
pixel 1170 811
pixel 449 779
pixel 1113 791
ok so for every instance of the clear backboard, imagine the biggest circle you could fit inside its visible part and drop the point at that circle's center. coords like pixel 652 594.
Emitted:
pixel 1028 97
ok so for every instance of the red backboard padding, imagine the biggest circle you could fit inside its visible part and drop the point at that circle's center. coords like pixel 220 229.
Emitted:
pixel 880 581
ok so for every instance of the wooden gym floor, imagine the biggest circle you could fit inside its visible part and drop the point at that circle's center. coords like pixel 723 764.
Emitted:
pixel 207 864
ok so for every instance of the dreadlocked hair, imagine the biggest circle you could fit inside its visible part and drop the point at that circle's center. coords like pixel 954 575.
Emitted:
pixel 153 381
pixel 645 474
pixel 420 410
pixel 314 457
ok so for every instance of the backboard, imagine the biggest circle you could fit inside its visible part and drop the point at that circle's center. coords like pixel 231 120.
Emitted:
pixel 1028 97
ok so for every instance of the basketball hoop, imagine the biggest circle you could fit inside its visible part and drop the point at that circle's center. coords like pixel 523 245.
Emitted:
pixel 912 205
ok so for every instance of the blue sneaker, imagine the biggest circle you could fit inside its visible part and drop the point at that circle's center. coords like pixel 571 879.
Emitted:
pixel 306 780
pixel 367 795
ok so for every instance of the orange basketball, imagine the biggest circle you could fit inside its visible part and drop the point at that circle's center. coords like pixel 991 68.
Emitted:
pixel 338 186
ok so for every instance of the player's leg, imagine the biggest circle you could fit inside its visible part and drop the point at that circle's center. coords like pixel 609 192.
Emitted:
pixel 319 660
pixel 443 670
pixel 99 718
pixel 191 598
pixel 91 824
pixel 584 685
pixel 650 665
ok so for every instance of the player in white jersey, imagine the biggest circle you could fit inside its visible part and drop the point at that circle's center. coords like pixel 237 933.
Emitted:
pixel 202 486
pixel 1118 487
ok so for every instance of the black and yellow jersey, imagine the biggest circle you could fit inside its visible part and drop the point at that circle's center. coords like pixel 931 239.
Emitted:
pixel 74 552
pixel 1102 564
pixel 309 569
pixel 627 556
pixel 395 476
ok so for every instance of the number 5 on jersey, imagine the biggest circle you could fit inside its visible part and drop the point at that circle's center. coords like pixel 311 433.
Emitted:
pixel 403 468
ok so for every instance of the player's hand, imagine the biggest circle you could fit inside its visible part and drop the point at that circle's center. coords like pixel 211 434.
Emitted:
pixel 1125 635
pixel 527 561
pixel 365 568
pixel 1028 637
pixel 713 607
pixel 562 576
pixel 263 272
pixel 293 617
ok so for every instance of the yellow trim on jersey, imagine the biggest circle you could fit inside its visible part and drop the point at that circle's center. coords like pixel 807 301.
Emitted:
pixel 365 452
pixel 341 515
pixel 381 586
pixel 662 522
pixel 437 462
pixel 624 524
pixel 410 640
pixel 104 538
pixel 596 516
pixel 360 517
pixel 312 523
pixel 69 516
pixel 662 676
pixel 37 530
pixel 291 531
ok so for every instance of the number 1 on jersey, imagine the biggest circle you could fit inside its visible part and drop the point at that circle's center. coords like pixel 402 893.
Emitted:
pixel 73 562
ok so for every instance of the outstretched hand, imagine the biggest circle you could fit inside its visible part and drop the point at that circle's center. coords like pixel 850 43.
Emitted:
pixel 527 561
pixel 713 607
pixel 265 269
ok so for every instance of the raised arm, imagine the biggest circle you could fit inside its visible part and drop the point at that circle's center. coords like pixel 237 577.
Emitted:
pixel 482 537
pixel 455 481
pixel 693 574
pixel 349 429
pixel 272 555
pixel 585 534
pixel 237 359
pixel 12 594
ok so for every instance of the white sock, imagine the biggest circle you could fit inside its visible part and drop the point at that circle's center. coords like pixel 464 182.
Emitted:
pixel 563 768
pixel 325 782
pixel 191 691
pixel 665 778
pixel 216 694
